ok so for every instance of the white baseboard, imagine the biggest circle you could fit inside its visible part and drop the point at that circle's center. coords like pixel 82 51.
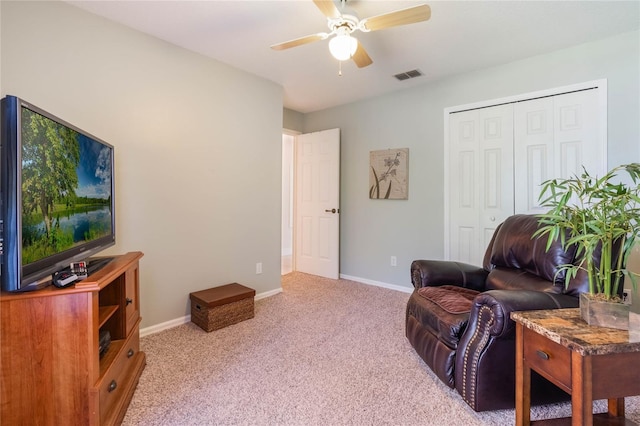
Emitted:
pixel 400 288
pixel 187 318
pixel 164 326
pixel 268 293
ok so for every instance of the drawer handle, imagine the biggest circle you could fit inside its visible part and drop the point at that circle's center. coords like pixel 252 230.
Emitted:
pixel 129 301
pixel 112 386
pixel 130 353
pixel 542 354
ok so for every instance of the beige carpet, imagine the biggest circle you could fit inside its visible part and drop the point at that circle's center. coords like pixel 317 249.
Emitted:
pixel 323 352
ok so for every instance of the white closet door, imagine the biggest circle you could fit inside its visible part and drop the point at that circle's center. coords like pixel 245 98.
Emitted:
pixel 481 179
pixel 496 171
pixel 577 134
pixel 463 196
pixel 554 138
pixel 499 156
pixel 534 152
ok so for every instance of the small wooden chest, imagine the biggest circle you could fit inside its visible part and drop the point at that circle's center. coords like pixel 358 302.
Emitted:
pixel 219 307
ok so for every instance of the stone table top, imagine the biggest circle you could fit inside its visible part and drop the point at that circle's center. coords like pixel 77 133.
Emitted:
pixel 567 328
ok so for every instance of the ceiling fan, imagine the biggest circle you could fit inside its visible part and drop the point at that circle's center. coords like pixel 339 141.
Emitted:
pixel 343 46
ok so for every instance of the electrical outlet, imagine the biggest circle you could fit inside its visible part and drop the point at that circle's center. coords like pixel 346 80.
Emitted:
pixel 627 296
pixel 258 268
pixel 394 261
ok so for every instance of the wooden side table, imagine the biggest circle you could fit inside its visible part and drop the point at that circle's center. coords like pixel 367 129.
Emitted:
pixel 588 362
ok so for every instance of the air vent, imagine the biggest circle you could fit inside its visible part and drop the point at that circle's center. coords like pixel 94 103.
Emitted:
pixel 408 74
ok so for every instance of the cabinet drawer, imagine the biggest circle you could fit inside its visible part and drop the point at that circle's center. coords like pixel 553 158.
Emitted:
pixel 114 382
pixel 548 358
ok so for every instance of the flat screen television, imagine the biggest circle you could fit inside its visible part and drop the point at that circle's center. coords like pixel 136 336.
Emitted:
pixel 57 195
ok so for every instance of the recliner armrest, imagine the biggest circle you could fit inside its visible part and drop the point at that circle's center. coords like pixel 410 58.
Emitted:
pixel 502 302
pixel 485 357
pixel 431 273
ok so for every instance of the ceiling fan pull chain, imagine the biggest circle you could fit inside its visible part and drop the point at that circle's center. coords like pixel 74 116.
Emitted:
pixel 340 68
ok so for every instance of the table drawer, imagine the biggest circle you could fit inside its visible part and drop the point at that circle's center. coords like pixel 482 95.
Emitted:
pixel 548 358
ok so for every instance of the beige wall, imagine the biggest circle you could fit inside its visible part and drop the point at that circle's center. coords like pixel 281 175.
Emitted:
pixel 197 188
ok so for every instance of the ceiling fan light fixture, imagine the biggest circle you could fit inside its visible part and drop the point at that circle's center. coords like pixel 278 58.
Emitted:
pixel 342 22
pixel 343 46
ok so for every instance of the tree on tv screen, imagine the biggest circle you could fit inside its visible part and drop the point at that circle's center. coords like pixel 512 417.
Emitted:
pixel 50 155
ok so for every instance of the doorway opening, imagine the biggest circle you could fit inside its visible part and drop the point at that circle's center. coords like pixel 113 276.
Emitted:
pixel 287 261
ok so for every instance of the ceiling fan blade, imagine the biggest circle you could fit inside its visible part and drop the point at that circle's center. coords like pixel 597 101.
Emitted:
pixel 361 57
pixel 300 41
pixel 399 17
pixel 328 8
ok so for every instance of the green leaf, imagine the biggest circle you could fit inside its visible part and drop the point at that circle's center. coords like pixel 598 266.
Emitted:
pixel 592 213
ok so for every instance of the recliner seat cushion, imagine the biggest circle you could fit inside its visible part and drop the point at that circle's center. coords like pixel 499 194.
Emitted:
pixel 455 300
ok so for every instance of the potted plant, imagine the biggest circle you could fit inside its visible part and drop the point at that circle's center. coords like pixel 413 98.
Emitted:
pixel 601 217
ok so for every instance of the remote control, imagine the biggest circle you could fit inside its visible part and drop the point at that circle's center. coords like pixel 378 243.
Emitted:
pixel 63 279
pixel 80 269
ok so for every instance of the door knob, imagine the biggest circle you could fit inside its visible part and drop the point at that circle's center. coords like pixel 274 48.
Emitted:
pixel 331 211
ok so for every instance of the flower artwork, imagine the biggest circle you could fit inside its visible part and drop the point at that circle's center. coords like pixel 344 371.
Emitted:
pixel 389 174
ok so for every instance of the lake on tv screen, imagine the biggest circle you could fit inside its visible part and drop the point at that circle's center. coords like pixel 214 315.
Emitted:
pixel 78 226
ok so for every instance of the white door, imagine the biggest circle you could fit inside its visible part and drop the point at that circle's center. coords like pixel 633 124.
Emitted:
pixel 496 176
pixel 577 134
pixel 534 151
pixel 317 243
pixel 480 179
pixel 463 198
pixel 499 155
pixel 555 137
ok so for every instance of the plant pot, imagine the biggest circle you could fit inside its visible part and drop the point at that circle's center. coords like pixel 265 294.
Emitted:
pixel 604 314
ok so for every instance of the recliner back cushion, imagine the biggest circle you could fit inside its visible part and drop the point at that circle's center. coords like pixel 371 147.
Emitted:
pixel 501 278
pixel 513 247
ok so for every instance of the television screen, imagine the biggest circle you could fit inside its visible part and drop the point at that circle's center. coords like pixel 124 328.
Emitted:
pixel 58 188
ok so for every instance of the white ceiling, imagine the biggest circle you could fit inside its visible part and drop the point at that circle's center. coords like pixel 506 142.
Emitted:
pixel 460 36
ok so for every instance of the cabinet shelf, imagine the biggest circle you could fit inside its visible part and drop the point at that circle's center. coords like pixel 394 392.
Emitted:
pixel 104 313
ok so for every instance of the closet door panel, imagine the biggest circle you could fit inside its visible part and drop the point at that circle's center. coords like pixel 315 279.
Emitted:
pixel 463 197
pixel 577 134
pixel 533 151
pixel 481 181
pixel 495 180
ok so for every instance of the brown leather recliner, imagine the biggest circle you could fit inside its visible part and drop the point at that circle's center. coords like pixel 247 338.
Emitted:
pixel 458 316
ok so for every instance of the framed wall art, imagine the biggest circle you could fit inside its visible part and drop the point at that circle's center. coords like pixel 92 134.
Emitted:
pixel 389 174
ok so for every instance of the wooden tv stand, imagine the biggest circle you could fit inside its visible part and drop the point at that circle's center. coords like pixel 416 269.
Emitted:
pixel 51 369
